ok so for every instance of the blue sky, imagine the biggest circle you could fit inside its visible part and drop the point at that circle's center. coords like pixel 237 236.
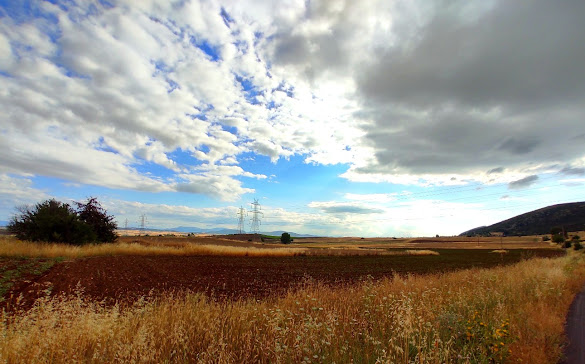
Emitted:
pixel 378 118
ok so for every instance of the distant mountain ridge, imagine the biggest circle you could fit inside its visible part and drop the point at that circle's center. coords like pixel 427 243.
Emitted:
pixel 570 216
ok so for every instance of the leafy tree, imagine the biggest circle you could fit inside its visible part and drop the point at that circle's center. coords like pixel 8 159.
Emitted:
pixel 93 214
pixel 55 221
pixel 559 238
pixel 285 238
pixel 51 221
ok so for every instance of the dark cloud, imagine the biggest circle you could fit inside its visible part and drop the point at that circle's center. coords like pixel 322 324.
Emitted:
pixel 496 170
pixel 521 146
pixel 573 171
pixel 462 93
pixel 518 53
pixel 524 182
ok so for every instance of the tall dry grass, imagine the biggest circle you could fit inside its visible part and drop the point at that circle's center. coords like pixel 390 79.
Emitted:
pixel 505 314
pixel 11 247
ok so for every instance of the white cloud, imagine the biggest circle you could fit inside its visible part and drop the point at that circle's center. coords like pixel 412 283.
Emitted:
pixel 401 92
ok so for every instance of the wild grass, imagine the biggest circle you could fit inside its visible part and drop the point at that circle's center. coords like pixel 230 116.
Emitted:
pixel 11 247
pixel 505 314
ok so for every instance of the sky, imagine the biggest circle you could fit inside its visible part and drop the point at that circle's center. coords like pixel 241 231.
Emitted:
pixel 341 118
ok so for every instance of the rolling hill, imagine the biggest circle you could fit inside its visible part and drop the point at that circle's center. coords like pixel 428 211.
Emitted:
pixel 570 216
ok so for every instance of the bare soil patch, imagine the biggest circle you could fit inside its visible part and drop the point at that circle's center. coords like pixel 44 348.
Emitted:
pixel 124 279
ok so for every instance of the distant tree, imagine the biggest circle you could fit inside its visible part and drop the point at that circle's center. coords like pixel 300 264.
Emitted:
pixel 285 238
pixel 558 238
pixel 51 221
pixel 545 238
pixel 576 238
pixel 559 231
pixel 577 245
pixel 93 214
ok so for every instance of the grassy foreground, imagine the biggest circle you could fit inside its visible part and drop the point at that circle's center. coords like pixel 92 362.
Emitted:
pixel 505 314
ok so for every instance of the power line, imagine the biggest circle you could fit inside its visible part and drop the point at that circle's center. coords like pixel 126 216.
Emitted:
pixel 256 216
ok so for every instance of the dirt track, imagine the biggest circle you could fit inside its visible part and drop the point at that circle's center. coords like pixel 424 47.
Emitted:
pixel 575 331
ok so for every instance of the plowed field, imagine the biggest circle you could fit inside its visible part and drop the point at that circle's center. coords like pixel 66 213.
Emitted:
pixel 124 279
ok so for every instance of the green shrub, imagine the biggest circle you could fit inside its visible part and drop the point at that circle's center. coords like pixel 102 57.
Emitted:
pixel 57 222
pixel 285 238
pixel 577 245
pixel 567 244
pixel 51 221
pixel 93 214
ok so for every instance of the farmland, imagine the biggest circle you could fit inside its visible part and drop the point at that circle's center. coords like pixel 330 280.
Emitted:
pixel 158 299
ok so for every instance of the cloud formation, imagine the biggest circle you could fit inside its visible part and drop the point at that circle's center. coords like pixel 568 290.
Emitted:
pixel 402 92
pixel 523 182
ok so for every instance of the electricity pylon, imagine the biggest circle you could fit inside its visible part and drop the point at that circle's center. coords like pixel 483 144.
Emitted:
pixel 143 221
pixel 256 216
pixel 241 213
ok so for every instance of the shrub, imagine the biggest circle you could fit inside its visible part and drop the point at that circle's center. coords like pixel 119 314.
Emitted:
pixel 93 214
pixel 576 238
pixel 567 244
pixel 545 238
pixel 577 245
pixel 51 221
pixel 285 238
pixel 558 238
pixel 54 221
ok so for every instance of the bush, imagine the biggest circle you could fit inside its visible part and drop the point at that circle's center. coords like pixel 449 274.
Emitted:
pixel 567 244
pixel 576 238
pixel 93 214
pixel 51 221
pixel 545 238
pixel 54 221
pixel 285 238
pixel 559 238
pixel 577 245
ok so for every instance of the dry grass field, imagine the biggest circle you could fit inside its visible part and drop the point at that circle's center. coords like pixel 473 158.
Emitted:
pixel 366 301
pixel 506 314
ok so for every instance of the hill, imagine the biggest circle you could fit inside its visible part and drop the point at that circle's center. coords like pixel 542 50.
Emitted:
pixel 570 216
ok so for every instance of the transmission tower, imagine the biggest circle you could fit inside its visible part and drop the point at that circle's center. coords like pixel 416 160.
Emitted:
pixel 256 216
pixel 241 213
pixel 126 224
pixel 143 221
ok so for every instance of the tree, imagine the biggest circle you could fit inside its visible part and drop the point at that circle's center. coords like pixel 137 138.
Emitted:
pixel 93 214
pixel 285 238
pixel 559 239
pixel 51 221
pixel 54 221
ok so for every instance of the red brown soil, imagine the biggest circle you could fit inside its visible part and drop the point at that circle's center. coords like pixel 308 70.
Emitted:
pixel 124 279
